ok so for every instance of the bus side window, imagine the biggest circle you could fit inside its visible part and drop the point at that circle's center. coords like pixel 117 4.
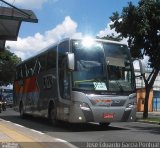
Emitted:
pixel 37 67
pixel 51 58
pixel 16 74
pixel 42 61
pixel 20 75
pixel 24 71
pixel 63 47
pixel 63 73
pixel 30 72
pixel 30 66
pixel 64 80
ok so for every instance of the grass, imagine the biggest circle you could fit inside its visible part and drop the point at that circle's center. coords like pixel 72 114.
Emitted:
pixel 154 120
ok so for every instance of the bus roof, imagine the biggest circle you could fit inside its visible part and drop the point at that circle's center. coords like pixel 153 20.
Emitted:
pixel 100 40
pixel 69 39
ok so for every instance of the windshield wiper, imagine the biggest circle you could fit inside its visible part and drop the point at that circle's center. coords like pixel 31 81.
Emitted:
pixel 100 79
pixel 120 86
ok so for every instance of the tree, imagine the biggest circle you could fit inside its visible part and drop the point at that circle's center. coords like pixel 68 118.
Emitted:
pixel 8 62
pixel 141 25
pixel 111 37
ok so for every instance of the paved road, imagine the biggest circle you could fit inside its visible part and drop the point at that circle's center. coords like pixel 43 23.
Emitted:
pixel 84 135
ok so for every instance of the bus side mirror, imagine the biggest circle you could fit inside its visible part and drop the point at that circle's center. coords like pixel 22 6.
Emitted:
pixel 70 61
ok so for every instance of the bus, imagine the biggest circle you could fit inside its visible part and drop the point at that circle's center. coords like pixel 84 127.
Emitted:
pixel 78 81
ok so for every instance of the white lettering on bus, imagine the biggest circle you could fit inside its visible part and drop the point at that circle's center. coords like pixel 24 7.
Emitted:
pixel 48 81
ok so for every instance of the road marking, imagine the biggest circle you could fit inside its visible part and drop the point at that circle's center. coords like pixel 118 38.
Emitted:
pixel 37 131
pixel 66 142
pixel 18 125
pixel 14 136
pixel 60 140
pixel 25 141
pixel 24 127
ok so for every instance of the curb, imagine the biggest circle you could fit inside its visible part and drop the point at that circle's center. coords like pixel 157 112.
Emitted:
pixel 21 136
pixel 150 122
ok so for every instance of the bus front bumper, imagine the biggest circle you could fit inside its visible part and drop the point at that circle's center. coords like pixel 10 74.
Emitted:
pixel 82 113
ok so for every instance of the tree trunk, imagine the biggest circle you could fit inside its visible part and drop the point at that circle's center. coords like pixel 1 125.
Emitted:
pixel 145 112
pixel 148 86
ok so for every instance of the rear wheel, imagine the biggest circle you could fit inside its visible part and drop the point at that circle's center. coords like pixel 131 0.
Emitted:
pixel 21 110
pixel 53 115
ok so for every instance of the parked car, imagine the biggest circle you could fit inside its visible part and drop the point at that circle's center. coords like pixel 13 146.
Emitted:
pixel 9 100
pixel 2 103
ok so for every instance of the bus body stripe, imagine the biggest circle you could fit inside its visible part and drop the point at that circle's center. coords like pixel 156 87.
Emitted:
pixel 29 85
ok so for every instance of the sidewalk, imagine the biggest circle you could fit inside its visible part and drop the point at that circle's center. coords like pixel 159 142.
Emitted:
pixel 150 114
pixel 153 117
pixel 16 136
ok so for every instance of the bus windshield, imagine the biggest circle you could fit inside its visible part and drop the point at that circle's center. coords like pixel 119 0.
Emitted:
pixel 102 66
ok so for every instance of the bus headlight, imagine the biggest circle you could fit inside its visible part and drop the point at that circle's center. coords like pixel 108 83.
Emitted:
pixel 84 106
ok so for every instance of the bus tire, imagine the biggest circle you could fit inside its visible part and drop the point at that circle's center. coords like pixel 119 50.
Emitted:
pixel 21 110
pixel 53 115
pixel 104 124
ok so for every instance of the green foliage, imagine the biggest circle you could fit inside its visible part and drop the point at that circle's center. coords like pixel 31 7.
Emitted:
pixel 8 62
pixel 112 37
pixel 141 24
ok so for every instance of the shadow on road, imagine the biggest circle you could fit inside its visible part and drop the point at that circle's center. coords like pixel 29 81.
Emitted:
pixel 42 124
pixel 148 128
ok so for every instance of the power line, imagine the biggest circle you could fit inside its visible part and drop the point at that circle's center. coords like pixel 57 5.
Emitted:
pixel 13 2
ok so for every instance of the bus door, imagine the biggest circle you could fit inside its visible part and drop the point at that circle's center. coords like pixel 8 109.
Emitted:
pixel 64 81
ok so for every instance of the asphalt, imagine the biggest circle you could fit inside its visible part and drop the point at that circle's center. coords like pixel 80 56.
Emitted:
pixel 14 135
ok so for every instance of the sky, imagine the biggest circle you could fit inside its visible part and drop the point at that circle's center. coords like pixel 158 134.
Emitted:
pixel 58 19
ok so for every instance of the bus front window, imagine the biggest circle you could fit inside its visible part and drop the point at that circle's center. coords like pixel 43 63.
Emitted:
pixel 119 67
pixel 102 66
pixel 89 67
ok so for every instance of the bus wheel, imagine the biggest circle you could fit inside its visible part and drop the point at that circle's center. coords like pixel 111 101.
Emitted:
pixel 53 115
pixel 104 124
pixel 21 110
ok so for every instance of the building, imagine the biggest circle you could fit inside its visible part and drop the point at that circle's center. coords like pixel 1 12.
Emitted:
pixel 154 98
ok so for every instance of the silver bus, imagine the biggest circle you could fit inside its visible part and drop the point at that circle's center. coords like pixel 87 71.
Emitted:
pixel 78 81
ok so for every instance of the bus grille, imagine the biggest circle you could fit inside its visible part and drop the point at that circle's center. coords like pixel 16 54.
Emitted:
pixel 118 102
pixel 108 103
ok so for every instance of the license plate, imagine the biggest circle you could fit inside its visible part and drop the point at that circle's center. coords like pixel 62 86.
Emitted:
pixel 108 116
